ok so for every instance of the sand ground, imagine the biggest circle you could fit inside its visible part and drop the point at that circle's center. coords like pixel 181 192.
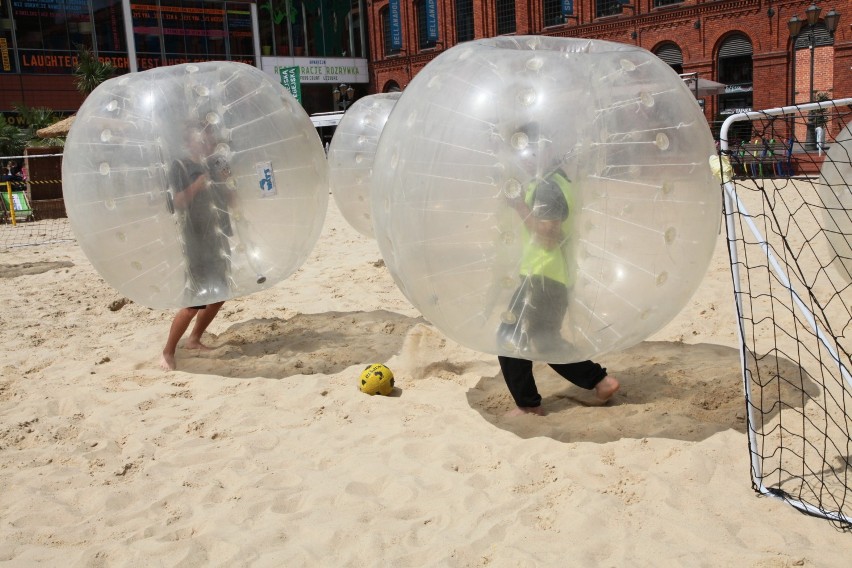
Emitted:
pixel 262 452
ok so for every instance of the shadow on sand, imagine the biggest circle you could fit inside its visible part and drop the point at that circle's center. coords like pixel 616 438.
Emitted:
pixel 305 344
pixel 668 390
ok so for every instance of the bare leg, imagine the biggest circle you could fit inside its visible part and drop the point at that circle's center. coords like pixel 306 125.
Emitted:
pixel 176 331
pixel 205 317
pixel 607 387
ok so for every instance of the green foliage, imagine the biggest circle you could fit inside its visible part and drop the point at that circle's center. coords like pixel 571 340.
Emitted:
pixel 89 72
pixel 45 142
pixel 278 14
pixel 36 119
pixel 13 140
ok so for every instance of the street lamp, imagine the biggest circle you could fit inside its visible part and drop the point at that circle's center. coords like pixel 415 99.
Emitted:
pixel 343 95
pixel 794 26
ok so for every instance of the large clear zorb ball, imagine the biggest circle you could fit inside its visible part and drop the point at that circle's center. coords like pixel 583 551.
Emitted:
pixel 546 198
pixel 350 157
pixel 194 183
pixel 835 191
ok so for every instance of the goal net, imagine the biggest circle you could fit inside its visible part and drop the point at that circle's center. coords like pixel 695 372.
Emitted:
pixel 32 211
pixel 788 214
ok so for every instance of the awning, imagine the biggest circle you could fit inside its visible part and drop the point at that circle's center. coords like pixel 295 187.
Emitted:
pixel 326 119
pixel 704 87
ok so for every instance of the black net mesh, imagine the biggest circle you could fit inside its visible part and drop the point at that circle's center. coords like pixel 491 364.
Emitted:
pixel 789 230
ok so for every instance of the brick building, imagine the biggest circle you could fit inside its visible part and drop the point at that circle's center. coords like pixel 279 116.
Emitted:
pixel 744 44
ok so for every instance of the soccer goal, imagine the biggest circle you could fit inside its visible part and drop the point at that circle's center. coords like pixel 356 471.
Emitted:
pixel 788 215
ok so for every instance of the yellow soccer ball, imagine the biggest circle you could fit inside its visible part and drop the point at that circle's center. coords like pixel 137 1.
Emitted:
pixel 376 379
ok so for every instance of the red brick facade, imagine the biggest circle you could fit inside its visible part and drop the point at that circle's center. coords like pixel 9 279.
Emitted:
pixel 698 28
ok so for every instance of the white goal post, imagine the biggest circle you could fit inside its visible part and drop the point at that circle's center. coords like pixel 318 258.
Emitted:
pixel 793 297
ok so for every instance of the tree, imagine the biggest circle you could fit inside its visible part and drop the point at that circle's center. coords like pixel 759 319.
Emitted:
pixel 89 71
pixel 37 118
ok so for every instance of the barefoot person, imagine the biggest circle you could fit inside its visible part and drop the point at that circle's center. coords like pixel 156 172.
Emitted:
pixel 180 324
pixel 199 199
pixel 539 305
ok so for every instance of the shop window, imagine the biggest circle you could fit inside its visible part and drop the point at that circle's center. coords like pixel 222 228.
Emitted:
pixel 7 64
pixel 109 21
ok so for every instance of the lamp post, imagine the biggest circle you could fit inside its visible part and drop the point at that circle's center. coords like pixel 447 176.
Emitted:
pixel 795 27
pixel 343 96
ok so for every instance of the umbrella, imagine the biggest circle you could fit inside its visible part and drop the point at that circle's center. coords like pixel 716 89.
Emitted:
pixel 704 87
pixel 56 129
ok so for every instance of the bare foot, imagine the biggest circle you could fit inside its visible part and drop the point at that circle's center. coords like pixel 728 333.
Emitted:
pixel 606 388
pixel 195 344
pixel 167 362
pixel 521 410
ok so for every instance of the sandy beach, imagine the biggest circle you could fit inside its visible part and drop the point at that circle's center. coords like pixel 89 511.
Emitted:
pixel 262 452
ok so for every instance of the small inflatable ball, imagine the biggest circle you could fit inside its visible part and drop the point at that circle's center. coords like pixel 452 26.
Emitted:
pixel 194 183
pixel 376 379
pixel 834 190
pixel 350 157
pixel 546 198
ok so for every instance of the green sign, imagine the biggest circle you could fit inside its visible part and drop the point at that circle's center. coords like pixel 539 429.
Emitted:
pixel 290 80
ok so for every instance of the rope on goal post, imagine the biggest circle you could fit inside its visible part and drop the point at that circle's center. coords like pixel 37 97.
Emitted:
pixel 770 395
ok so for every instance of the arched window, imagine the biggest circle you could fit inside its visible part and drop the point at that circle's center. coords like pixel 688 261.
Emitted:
pixel 817 36
pixel 464 20
pixel 813 71
pixel 505 16
pixel 736 67
pixel 735 70
pixel 671 55
pixel 391 87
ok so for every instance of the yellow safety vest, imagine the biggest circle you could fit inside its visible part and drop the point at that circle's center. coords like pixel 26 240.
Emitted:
pixel 553 263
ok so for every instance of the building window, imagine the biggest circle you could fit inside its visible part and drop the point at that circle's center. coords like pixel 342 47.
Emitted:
pixel 736 70
pixel 165 33
pixel 607 8
pixel 464 20
pixel 661 3
pixel 812 68
pixel 553 13
pixel 505 16
pixel 386 32
pixel 671 55
pixel 422 40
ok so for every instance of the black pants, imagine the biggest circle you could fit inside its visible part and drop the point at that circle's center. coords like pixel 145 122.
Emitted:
pixel 519 377
pixel 538 307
